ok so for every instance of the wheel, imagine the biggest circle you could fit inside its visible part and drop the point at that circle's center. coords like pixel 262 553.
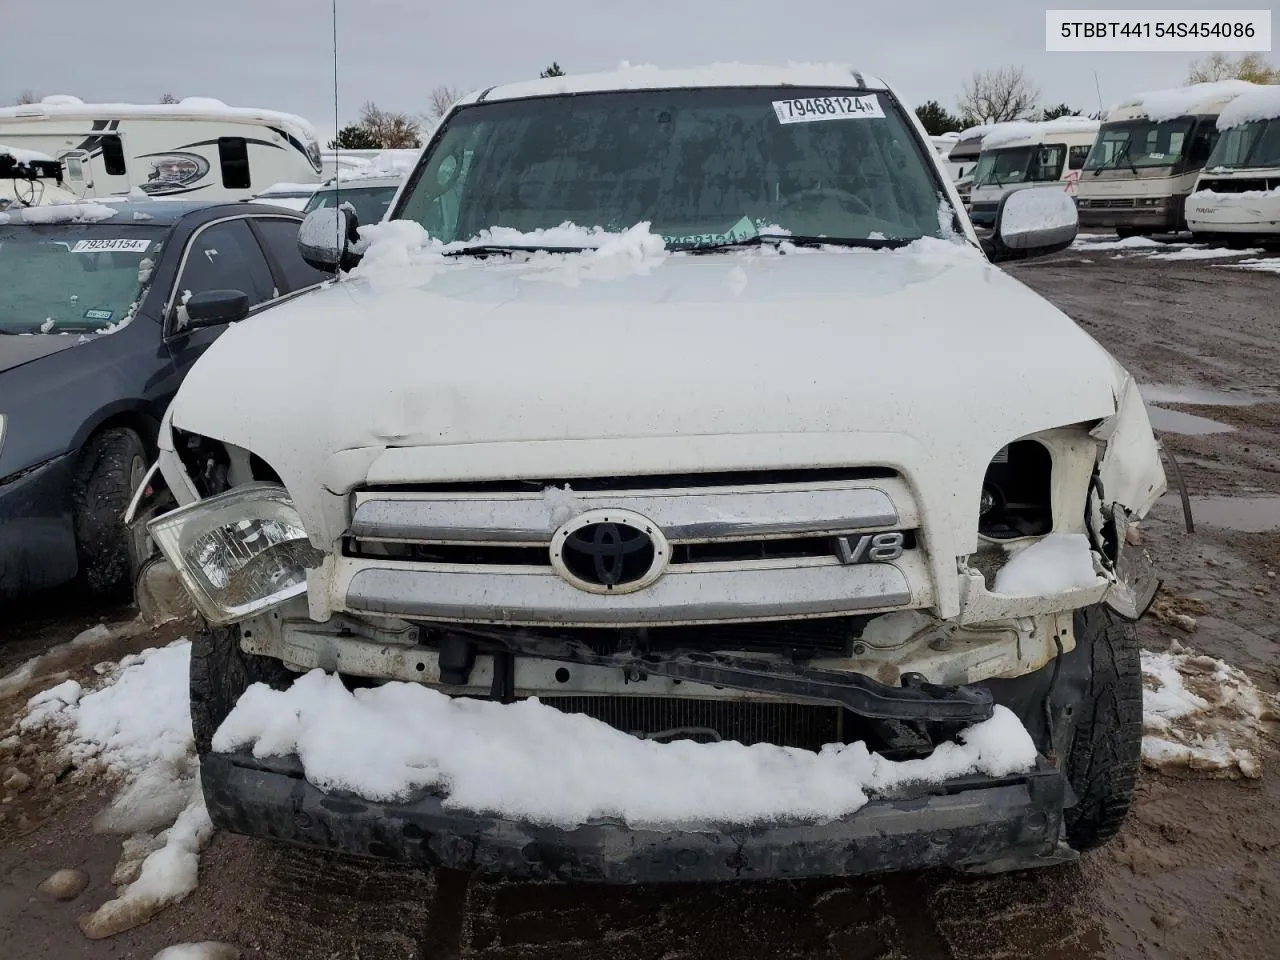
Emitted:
pixel 111 467
pixel 1106 749
pixel 220 672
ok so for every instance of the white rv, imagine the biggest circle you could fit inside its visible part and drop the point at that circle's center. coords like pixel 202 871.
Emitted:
pixel 944 143
pixel 196 149
pixel 964 157
pixel 1237 196
pixel 1149 151
pixel 1024 154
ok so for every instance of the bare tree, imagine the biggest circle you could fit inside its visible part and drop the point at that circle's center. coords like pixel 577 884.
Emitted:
pixel 168 98
pixel 439 101
pixel 994 96
pixel 392 130
pixel 1219 66
pixel 25 97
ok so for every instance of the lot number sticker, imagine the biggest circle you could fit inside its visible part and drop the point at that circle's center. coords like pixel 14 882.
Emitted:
pixel 111 246
pixel 813 109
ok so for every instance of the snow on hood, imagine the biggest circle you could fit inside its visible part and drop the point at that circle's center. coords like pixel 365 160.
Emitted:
pixel 929 357
pixel 1261 103
pixel 59 213
pixel 1161 105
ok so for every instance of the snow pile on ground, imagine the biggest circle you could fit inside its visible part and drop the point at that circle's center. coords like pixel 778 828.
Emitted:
pixel 138 726
pixel 1162 105
pixel 530 761
pixel 1260 103
pixel 208 950
pixel 1201 253
pixel 1051 565
pixel 50 666
pixel 1128 243
pixel 1271 265
pixel 1203 715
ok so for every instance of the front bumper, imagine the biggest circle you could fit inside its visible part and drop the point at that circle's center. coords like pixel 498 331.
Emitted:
pixel 1234 213
pixel 37 531
pixel 1162 219
pixel 973 824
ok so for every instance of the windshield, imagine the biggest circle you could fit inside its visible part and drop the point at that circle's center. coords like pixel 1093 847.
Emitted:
pixel 1139 143
pixel 370 202
pixel 702 166
pixel 73 277
pixel 1255 144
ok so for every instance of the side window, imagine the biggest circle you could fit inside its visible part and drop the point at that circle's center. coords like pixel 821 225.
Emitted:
pixel 1201 146
pixel 281 240
pixel 1077 157
pixel 233 155
pixel 226 256
pixel 113 156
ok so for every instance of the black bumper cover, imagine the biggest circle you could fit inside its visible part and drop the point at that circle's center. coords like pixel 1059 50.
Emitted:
pixel 975 824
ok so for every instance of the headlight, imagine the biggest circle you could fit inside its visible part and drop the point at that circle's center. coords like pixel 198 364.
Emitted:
pixel 1016 493
pixel 238 553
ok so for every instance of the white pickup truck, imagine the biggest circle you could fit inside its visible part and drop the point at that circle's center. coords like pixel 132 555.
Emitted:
pixel 689 401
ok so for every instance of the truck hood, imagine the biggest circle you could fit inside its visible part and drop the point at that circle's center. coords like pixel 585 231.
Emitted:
pixel 19 349
pixel 928 359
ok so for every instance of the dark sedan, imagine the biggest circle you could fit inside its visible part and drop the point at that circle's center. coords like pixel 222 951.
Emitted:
pixel 103 309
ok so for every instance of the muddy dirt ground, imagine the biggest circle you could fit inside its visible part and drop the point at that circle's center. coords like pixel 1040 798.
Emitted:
pixel 1195 875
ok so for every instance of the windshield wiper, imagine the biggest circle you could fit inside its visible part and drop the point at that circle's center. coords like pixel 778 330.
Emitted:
pixel 1115 161
pixel 486 249
pixel 761 239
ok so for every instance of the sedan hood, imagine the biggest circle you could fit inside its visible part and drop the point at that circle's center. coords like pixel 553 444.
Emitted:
pixel 19 349
pixel 403 372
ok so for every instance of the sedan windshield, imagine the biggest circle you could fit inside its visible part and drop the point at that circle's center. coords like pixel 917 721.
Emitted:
pixel 1255 144
pixel 73 277
pixel 704 167
pixel 370 202
pixel 1139 143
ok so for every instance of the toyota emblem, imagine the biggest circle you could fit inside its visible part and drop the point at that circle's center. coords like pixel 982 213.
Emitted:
pixel 609 551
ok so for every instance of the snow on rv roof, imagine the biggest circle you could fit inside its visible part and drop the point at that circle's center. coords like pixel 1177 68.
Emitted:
pixel 191 108
pixel 1260 104
pixel 649 77
pixel 25 156
pixel 1020 130
pixel 1161 105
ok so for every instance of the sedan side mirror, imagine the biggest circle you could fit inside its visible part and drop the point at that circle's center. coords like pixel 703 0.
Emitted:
pixel 327 236
pixel 1033 222
pixel 214 307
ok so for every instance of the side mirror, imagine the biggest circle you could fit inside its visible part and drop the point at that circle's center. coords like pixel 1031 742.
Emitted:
pixel 1033 222
pixel 214 307
pixel 327 236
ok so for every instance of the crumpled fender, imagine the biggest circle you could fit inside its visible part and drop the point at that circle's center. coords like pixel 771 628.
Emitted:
pixel 1129 480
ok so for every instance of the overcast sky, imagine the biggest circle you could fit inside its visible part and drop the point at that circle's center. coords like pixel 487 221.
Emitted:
pixel 278 53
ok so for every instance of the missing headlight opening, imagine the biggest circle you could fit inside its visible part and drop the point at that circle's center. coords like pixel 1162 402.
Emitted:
pixel 1016 493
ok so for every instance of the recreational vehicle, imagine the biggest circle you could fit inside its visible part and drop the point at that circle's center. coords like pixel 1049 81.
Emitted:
pixel 964 157
pixel 1148 153
pixel 196 149
pixel 944 143
pixel 1025 154
pixel 1237 196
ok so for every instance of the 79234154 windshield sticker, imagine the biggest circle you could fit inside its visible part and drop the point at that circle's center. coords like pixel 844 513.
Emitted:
pixel 814 109
pixel 111 246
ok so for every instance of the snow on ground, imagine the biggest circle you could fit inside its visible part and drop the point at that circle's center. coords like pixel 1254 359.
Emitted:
pixel 530 761
pixel 1271 265
pixel 1203 715
pixel 47 665
pixel 1128 243
pixel 1201 253
pixel 208 950
pixel 137 725
pixel 1054 564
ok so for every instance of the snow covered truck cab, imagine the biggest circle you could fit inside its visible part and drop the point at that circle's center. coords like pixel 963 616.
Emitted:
pixel 669 488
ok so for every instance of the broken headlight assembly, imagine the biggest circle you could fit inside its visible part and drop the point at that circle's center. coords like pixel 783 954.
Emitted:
pixel 239 552
pixel 1016 499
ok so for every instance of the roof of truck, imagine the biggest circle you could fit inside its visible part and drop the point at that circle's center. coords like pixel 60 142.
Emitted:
pixel 191 108
pixel 648 77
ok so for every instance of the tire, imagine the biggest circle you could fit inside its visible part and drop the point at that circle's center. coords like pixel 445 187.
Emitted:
pixel 111 467
pixel 1106 748
pixel 220 673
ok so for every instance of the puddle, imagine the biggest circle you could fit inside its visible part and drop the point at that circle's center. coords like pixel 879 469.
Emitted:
pixel 1184 424
pixel 1246 514
pixel 1197 396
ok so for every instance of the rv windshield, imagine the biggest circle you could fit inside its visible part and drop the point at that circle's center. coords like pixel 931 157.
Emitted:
pixel 1019 164
pixel 1139 143
pixel 1254 144
pixel 705 167
pixel 73 277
